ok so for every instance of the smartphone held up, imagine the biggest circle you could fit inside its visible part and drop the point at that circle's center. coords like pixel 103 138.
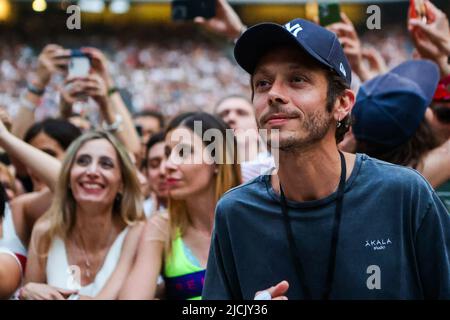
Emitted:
pixel 323 12
pixel 79 65
pixel 187 10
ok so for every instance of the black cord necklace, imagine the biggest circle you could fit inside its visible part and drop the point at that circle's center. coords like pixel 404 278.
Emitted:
pixel 334 239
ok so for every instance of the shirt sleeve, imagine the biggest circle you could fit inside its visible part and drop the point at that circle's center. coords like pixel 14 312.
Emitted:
pixel 221 281
pixel 433 251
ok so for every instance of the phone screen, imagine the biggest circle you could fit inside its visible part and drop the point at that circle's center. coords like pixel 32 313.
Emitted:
pixel 185 10
pixel 79 67
pixel 329 13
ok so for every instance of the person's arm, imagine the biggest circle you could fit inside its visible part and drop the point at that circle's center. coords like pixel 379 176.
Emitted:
pixel 44 166
pixel 376 62
pixel 116 106
pixel 68 97
pixel 127 256
pixel 52 59
pixel 432 247
pixel 27 209
pixel 10 275
pixel 351 43
pixel 436 165
pixel 142 280
pixel 226 22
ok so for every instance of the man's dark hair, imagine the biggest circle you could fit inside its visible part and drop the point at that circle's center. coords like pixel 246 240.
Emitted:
pixel 151 113
pixel 3 201
pixel 61 130
pixel 336 88
pixel 409 153
pixel 441 112
pixel 156 138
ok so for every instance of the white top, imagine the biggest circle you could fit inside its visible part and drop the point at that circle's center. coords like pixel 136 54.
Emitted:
pixel 61 275
pixel 150 207
pixel 263 163
pixel 10 240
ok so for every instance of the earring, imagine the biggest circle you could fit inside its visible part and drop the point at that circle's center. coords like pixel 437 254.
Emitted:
pixel 339 123
pixel 118 200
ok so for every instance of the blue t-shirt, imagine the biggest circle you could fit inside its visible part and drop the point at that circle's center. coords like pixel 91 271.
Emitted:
pixel 394 239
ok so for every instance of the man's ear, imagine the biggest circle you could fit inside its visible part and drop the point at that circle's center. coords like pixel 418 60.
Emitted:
pixel 344 104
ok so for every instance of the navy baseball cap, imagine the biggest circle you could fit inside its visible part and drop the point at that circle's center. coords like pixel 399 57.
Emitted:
pixel 321 44
pixel 389 108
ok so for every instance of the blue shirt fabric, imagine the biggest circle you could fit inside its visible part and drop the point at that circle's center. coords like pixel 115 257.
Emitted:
pixel 391 220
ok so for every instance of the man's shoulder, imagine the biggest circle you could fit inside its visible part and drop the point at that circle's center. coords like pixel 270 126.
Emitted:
pixel 244 193
pixel 393 174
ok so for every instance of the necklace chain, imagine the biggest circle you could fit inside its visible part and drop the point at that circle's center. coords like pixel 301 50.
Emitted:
pixel 87 261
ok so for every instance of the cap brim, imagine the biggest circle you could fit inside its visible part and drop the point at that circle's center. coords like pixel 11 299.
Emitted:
pixel 257 41
pixel 423 72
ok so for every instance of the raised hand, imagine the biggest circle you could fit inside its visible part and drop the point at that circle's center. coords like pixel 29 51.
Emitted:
pixel 93 86
pixel 437 29
pixel 99 64
pixel 349 39
pixel 226 22
pixel 52 59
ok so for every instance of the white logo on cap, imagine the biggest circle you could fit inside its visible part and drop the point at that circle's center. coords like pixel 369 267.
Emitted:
pixel 341 67
pixel 295 29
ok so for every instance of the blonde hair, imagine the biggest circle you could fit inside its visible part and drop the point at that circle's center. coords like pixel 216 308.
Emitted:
pixel 12 181
pixel 228 174
pixel 61 215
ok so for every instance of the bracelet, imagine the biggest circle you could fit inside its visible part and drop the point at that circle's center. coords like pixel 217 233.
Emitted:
pixel 115 126
pixel 112 90
pixel 27 104
pixel 35 90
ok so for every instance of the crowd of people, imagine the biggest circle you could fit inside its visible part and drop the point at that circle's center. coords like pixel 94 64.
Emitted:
pixel 173 191
pixel 169 75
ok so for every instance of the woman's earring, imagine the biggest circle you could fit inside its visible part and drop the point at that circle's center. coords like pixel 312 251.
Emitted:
pixel 118 200
pixel 339 123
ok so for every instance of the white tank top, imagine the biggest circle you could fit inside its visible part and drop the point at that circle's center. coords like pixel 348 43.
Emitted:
pixel 9 240
pixel 61 275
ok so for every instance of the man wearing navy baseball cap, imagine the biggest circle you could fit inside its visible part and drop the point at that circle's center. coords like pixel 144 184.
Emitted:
pixel 327 225
pixel 389 122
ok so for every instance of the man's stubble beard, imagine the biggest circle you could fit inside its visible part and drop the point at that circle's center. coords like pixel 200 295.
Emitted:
pixel 314 127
